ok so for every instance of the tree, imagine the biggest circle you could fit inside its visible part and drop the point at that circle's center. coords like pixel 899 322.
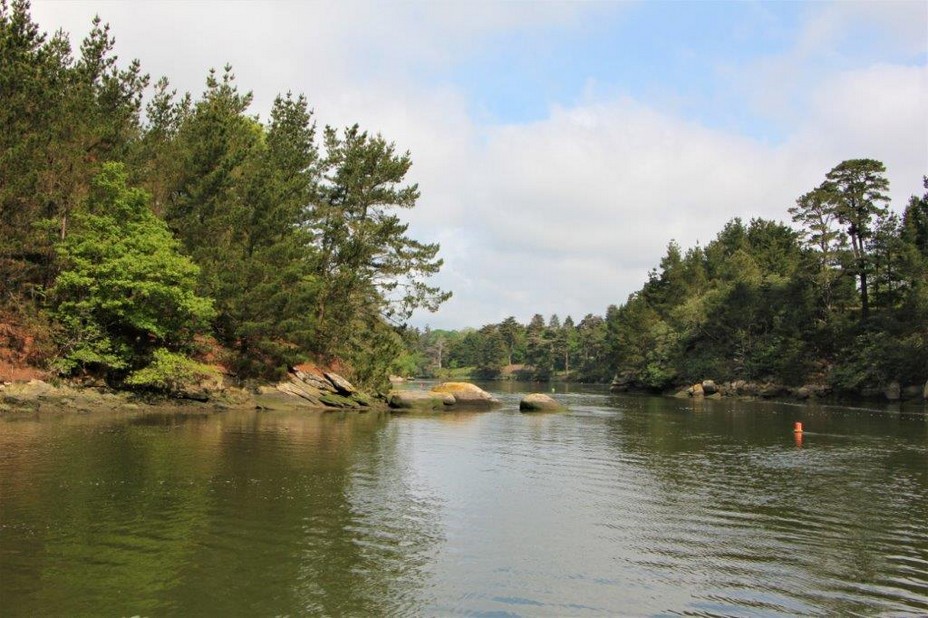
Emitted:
pixel 365 261
pixel 61 118
pixel 820 232
pixel 855 190
pixel 513 335
pixel 125 290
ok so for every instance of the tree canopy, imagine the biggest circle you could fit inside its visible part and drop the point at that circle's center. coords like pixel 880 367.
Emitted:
pixel 134 230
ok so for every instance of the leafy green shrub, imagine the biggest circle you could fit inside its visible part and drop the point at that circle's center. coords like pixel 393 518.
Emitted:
pixel 125 290
pixel 170 372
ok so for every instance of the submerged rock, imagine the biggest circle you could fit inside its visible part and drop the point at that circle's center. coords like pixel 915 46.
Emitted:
pixel 539 402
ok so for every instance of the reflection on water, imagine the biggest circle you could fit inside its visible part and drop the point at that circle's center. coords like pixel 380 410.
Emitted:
pixel 629 505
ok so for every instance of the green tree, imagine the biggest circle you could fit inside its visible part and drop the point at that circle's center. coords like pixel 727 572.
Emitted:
pixel 857 190
pixel 61 119
pixel 125 290
pixel 367 266
pixel 513 335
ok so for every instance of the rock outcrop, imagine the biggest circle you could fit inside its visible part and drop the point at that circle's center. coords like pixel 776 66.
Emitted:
pixel 466 394
pixel 539 402
pixel 312 387
pixel 445 396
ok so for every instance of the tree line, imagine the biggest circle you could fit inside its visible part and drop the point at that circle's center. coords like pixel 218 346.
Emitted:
pixel 142 228
pixel 538 350
pixel 839 299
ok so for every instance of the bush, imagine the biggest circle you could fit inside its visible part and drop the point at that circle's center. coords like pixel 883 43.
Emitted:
pixel 170 372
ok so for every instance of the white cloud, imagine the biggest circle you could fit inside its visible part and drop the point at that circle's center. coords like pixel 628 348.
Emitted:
pixel 566 214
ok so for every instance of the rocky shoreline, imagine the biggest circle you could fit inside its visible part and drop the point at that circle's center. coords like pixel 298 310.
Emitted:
pixel 709 389
pixel 304 388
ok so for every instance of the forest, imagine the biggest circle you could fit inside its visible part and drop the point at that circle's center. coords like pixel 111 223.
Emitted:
pixel 837 299
pixel 147 235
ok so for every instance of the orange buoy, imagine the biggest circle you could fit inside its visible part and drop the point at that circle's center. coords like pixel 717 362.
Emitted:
pixel 797 427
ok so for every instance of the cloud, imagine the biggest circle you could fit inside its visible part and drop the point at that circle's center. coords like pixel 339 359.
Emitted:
pixel 565 214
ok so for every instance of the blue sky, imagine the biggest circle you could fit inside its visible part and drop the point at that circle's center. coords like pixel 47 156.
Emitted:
pixel 560 146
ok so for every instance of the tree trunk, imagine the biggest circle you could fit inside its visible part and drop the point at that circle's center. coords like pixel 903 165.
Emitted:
pixel 864 296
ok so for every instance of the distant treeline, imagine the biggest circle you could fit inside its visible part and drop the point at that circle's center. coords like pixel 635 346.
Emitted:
pixel 140 228
pixel 840 299
pixel 538 350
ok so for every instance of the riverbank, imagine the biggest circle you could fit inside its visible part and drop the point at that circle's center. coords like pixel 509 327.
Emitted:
pixel 306 387
pixel 741 389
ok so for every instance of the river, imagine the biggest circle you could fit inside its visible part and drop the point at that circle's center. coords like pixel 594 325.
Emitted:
pixel 622 505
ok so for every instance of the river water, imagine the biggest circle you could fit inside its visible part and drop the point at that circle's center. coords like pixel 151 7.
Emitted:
pixel 622 505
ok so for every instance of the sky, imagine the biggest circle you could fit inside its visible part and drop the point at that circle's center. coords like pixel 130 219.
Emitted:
pixel 559 147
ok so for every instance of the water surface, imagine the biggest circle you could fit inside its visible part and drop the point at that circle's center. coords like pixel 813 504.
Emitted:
pixel 623 505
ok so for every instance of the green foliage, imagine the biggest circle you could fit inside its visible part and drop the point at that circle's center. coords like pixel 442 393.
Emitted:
pixel 125 290
pixel 170 372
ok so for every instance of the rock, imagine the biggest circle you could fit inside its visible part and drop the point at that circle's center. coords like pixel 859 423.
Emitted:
pixel 893 391
pixel 342 385
pixel 466 394
pixel 418 400
pixel 297 388
pixel 803 392
pixel 338 401
pixel 911 392
pixel 622 383
pixel 316 381
pixel 771 390
pixel 539 402
pixel 695 391
pixel 709 387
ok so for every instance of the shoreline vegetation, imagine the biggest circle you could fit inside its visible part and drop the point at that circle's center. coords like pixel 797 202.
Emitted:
pixel 156 242
pixel 170 246
pixel 835 307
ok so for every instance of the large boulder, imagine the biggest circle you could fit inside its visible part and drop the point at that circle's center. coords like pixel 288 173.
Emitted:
pixel 539 402
pixel 695 390
pixel 709 387
pixel 419 400
pixel 466 394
